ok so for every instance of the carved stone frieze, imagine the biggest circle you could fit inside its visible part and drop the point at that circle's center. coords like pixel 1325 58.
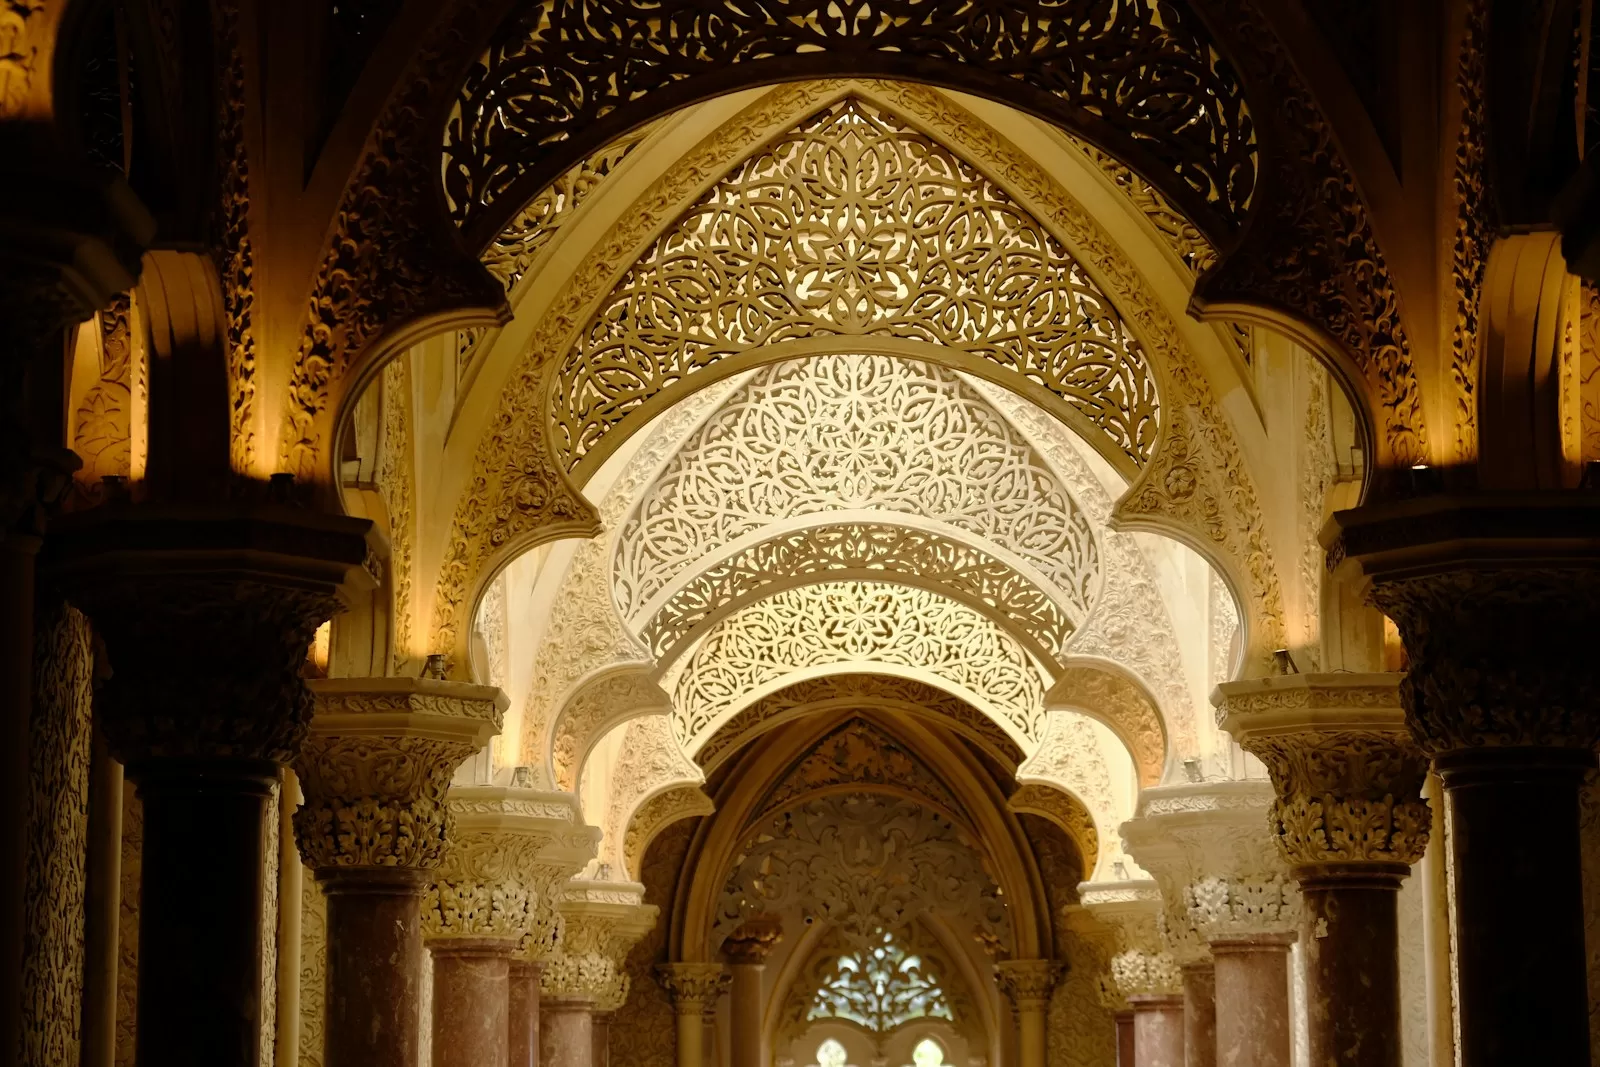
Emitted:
pixel 1348 773
pixel 597 706
pixel 693 987
pixel 1028 983
pixel 1211 835
pixel 504 871
pixel 240 589
pixel 377 764
pixel 601 922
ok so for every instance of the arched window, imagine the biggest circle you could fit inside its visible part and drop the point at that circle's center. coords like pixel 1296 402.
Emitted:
pixel 880 989
pixel 928 1053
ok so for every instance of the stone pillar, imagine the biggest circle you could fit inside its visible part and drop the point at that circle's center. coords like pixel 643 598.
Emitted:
pixel 1199 1014
pixel 1351 821
pixel 1145 977
pixel 374 772
pixel 1125 1051
pixel 1227 897
pixel 1496 598
pixel 240 588
pixel 566 1031
pixel 746 951
pixel 1028 984
pixel 600 1025
pixel 494 899
pixel 601 921
pixel 694 989
pixel 103 907
pixel 522 1014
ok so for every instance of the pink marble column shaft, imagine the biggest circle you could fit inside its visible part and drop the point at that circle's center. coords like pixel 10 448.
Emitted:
pixel 522 1014
pixel 1252 1001
pixel 1157 1031
pixel 566 1032
pixel 1199 1015
pixel 470 1001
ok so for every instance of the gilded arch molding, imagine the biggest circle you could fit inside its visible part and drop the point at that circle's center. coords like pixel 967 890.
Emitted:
pixel 1196 486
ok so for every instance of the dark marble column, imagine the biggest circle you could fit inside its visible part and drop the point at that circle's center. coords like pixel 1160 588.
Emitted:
pixel 1125 1055
pixel 240 589
pixel 471 992
pixel 1157 1030
pixel 379 759
pixel 1497 598
pixel 746 951
pixel 522 1015
pixel 1350 821
pixel 1199 1015
pixel 600 1027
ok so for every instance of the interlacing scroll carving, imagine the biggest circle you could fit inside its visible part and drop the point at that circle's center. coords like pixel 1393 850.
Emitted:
pixel 1348 775
pixel 651 761
pixel 378 763
pixel 1143 79
pixel 1112 697
pixel 396 478
pixel 598 705
pixel 864 551
pixel 851 433
pixel 1069 756
pixel 866 864
pixel 857 624
pixel 1589 371
pixel 1474 225
pixel 655 815
pixel 102 427
pixel 836 691
pixel 1181 235
pixel 232 250
pixel 856 226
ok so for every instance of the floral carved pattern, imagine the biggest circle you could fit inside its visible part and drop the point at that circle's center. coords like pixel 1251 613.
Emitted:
pixel 1142 78
pixel 856 624
pixel 856 226
pixel 808 437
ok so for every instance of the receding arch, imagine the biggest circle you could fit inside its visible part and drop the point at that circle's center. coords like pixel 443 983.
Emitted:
pixel 1112 695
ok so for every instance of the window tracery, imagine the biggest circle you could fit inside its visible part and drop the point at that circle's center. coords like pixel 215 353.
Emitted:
pixel 880 988
pixel 852 433
pixel 846 623
pixel 856 225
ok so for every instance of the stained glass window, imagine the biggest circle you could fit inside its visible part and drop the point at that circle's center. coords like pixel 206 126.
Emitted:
pixel 881 989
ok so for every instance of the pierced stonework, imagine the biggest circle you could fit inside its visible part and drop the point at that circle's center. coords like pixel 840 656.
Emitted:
pixel 865 625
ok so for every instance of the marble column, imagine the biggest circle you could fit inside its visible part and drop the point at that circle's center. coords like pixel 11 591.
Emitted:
pixel 522 1014
pixel 1125 1051
pixel 746 951
pixel 601 921
pixel 566 1031
pixel 1227 897
pixel 1028 984
pixel 374 772
pixel 471 1000
pixel 240 587
pixel 1157 1030
pixel 1496 597
pixel 1350 821
pixel 1199 1014
pixel 600 1024
pixel 694 989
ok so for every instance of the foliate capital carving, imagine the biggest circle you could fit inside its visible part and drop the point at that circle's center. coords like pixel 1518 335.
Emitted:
pixel 1493 596
pixel 601 922
pixel 754 940
pixel 377 765
pixel 1186 834
pixel 1235 909
pixel 1028 983
pixel 1138 973
pixel 1348 773
pixel 693 987
pixel 239 588
pixel 505 868
pixel 1131 908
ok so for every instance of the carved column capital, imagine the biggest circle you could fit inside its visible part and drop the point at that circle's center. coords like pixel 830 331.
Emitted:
pixel 1191 836
pixel 1494 597
pixel 1347 771
pixel 377 765
pixel 693 987
pixel 601 922
pixel 506 865
pixel 1139 973
pixel 1028 983
pixel 754 940
pixel 240 590
pixel 1132 909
